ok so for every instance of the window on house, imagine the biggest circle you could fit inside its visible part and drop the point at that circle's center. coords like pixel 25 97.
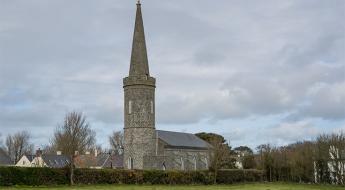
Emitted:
pixel 151 106
pixel 194 159
pixel 130 107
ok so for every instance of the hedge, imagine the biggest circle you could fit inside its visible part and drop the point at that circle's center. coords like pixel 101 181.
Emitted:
pixel 47 176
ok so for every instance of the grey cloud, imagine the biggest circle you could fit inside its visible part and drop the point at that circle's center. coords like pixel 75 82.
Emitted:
pixel 213 61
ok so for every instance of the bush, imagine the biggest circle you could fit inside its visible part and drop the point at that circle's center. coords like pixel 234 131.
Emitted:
pixel 48 176
pixel 32 176
pixel 236 176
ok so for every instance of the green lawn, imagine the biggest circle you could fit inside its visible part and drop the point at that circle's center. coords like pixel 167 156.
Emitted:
pixel 266 186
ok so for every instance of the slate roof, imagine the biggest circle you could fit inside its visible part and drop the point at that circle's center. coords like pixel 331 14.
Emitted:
pixel 5 160
pixel 30 157
pixel 102 161
pixel 182 140
pixel 56 161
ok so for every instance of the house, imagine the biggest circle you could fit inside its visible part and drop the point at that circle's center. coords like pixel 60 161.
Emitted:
pixel 50 160
pixel 25 161
pixel 100 161
pixel 5 160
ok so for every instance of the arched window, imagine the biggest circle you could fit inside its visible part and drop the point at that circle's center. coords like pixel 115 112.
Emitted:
pixel 164 167
pixel 206 163
pixel 151 106
pixel 130 163
pixel 182 164
pixel 195 166
pixel 130 107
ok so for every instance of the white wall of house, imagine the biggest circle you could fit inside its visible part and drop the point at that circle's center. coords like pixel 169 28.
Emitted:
pixel 38 162
pixel 24 162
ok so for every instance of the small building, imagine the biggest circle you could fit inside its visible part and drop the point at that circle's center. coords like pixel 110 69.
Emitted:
pixel 5 160
pixel 50 160
pixel 25 161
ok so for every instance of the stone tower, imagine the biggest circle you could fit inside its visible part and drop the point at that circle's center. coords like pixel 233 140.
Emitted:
pixel 139 103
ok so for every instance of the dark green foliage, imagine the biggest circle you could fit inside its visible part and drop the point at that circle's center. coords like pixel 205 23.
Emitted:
pixel 32 176
pixel 237 176
pixel 46 176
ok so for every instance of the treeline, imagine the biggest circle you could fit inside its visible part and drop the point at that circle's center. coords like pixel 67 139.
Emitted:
pixel 320 161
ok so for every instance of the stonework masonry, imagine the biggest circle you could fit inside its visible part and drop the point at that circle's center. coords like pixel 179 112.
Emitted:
pixel 143 148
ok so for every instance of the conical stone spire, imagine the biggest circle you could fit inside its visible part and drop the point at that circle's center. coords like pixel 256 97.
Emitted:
pixel 139 62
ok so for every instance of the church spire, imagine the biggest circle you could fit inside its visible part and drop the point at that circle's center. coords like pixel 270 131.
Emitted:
pixel 139 62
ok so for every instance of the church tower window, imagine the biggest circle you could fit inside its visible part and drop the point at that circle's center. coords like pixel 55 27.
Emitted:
pixel 130 107
pixel 151 106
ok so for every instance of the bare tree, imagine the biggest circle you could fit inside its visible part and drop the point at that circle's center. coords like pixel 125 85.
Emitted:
pixel 219 154
pixel 18 144
pixel 116 141
pixel 73 136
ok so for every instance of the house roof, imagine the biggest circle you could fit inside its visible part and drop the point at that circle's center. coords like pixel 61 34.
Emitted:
pixel 110 160
pixel 30 157
pixel 104 160
pixel 5 160
pixel 182 140
pixel 56 161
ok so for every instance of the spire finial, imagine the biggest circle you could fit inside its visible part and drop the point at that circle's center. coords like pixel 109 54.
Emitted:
pixel 138 2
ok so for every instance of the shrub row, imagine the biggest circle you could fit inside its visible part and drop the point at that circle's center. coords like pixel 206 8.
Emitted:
pixel 32 176
pixel 47 176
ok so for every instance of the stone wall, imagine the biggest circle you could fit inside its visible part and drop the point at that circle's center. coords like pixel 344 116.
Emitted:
pixel 175 158
pixel 139 114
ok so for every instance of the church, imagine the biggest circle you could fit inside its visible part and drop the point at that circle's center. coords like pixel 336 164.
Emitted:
pixel 144 146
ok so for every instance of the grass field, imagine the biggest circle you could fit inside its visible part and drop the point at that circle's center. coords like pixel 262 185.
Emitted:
pixel 265 186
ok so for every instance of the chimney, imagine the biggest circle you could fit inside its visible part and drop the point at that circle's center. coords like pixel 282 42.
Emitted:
pixel 38 152
pixel 58 152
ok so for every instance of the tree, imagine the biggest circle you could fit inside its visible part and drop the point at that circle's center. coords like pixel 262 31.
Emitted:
pixel 220 152
pixel 330 156
pixel 246 156
pixel 210 137
pixel 116 141
pixel 17 145
pixel 244 149
pixel 73 136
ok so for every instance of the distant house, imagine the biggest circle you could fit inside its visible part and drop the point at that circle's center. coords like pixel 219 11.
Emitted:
pixel 100 161
pixel 50 160
pixel 25 161
pixel 5 160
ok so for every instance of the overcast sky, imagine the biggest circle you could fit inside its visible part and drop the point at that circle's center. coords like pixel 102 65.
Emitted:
pixel 254 71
